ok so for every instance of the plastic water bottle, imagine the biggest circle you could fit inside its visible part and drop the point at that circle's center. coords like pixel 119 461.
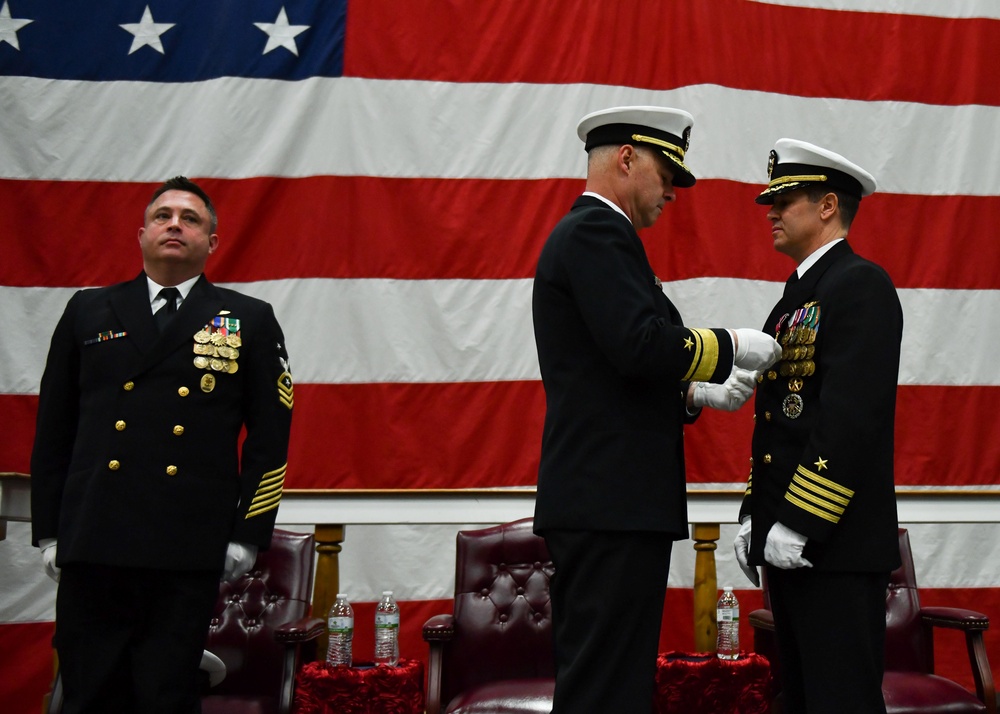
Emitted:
pixel 340 626
pixel 387 630
pixel 727 617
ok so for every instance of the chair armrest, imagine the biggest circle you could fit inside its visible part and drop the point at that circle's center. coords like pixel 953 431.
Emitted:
pixel 973 624
pixel 762 620
pixel 437 631
pixel 301 630
pixel 954 618
pixel 440 628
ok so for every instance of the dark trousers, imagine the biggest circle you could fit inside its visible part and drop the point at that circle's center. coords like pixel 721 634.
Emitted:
pixel 131 639
pixel 830 630
pixel 607 605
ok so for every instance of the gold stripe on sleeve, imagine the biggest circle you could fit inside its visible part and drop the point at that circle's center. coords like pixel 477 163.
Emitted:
pixel 268 492
pixel 706 356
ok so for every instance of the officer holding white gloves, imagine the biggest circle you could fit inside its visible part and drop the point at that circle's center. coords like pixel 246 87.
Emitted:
pixel 819 512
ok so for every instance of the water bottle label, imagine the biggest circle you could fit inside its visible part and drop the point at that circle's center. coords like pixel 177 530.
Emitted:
pixel 387 619
pixel 340 624
pixel 726 614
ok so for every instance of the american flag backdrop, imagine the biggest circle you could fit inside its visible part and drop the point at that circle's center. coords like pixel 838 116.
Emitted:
pixel 386 173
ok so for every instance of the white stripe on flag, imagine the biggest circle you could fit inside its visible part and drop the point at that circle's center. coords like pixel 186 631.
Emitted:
pixel 60 131
pixel 381 330
pixel 932 8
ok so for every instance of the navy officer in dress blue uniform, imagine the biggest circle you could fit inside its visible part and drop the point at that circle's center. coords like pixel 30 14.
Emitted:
pixel 622 375
pixel 140 495
pixel 820 508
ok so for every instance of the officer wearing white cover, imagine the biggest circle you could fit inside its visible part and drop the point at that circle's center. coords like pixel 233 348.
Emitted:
pixel 141 497
pixel 820 510
pixel 622 375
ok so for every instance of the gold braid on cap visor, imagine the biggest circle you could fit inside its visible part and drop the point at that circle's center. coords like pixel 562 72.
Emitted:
pixel 781 180
pixel 666 145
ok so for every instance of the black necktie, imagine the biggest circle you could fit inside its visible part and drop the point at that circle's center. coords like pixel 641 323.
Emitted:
pixel 165 313
pixel 790 283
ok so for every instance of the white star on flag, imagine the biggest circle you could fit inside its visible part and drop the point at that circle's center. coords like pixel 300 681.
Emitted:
pixel 147 32
pixel 281 34
pixel 9 27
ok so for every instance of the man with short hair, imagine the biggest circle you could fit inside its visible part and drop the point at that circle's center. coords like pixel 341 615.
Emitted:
pixel 820 507
pixel 140 496
pixel 622 375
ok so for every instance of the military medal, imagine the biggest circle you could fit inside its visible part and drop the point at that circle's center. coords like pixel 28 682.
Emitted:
pixel 791 406
pixel 216 346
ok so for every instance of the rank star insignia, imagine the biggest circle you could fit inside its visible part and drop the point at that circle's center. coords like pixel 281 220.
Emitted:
pixel 821 464
pixel 688 344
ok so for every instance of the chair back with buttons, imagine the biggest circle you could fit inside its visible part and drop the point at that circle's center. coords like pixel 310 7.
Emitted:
pixel 907 646
pixel 276 591
pixel 502 616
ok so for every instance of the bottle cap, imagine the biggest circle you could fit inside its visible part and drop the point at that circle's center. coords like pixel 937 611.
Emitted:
pixel 341 595
pixel 386 592
pixel 727 589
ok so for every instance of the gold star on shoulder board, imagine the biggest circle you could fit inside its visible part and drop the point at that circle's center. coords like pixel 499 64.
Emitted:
pixel 688 344
pixel 821 464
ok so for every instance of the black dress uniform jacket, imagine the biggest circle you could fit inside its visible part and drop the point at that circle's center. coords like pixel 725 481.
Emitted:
pixel 615 361
pixel 823 440
pixel 136 459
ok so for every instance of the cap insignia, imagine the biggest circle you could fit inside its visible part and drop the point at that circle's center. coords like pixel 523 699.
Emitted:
pixel 772 159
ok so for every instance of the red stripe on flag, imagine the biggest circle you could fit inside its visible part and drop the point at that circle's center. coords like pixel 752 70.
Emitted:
pixel 423 436
pixel 27 662
pixel 487 434
pixel 339 227
pixel 732 43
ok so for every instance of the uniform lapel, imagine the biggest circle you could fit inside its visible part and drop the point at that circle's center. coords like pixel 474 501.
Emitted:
pixel 801 291
pixel 131 307
pixel 198 308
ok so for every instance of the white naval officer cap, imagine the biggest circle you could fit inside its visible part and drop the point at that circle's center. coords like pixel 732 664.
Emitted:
pixel 663 128
pixel 796 164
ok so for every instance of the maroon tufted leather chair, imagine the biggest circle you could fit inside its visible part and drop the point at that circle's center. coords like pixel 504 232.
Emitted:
pixel 493 655
pixel 910 685
pixel 257 628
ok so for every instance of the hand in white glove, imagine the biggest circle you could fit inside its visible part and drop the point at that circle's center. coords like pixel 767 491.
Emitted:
pixel 48 546
pixel 754 349
pixel 783 548
pixel 239 559
pixel 742 547
pixel 728 396
pixel 213 666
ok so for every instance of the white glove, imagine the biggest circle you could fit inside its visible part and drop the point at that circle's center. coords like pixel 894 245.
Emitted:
pixel 728 396
pixel 239 559
pixel 754 349
pixel 213 666
pixel 48 546
pixel 742 547
pixel 783 548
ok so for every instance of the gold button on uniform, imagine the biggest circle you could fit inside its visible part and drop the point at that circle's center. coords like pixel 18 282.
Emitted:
pixel 114 465
pixel 767 416
pixel 178 430
pixel 767 458
pixel 129 386
pixel 183 391
pixel 171 471
pixel 120 425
